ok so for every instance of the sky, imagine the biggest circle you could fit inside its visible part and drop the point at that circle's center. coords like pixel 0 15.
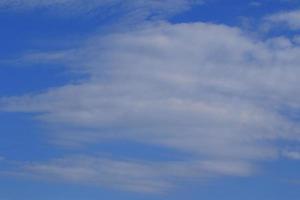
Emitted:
pixel 149 99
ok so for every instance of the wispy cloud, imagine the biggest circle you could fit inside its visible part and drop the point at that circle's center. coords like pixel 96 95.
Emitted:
pixel 290 19
pixel 129 175
pixel 208 90
pixel 136 8
pixel 294 155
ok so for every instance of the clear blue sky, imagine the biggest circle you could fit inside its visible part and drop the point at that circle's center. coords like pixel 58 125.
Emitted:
pixel 149 100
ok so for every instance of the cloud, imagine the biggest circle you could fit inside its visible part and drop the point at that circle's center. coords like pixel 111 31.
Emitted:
pixel 290 18
pixel 207 90
pixel 296 39
pixel 128 175
pixel 255 3
pixel 132 8
pixel 294 155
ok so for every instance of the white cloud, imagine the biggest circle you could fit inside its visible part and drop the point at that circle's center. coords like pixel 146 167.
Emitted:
pixel 289 18
pixel 209 90
pixel 129 175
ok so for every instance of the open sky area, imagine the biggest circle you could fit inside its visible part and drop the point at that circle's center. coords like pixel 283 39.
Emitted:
pixel 150 99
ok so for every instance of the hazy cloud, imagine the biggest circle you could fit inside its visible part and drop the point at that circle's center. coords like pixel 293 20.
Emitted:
pixel 208 90
pixel 129 175
pixel 294 155
pixel 289 18
pixel 133 8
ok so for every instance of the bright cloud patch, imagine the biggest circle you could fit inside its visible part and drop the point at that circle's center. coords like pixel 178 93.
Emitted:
pixel 203 89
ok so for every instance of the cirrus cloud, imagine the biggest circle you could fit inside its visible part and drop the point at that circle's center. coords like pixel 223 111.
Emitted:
pixel 131 8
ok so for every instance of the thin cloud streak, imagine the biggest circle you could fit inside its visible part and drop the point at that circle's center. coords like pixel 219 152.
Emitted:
pixel 127 175
pixel 133 9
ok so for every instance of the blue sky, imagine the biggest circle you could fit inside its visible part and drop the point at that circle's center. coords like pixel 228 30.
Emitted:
pixel 137 99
